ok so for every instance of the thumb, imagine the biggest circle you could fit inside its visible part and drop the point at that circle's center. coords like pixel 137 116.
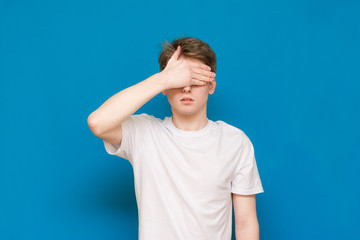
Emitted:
pixel 176 54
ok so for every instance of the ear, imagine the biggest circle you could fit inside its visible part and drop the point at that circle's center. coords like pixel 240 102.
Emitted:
pixel 212 87
pixel 164 92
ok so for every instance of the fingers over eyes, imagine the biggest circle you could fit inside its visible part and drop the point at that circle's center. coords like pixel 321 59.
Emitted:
pixel 203 72
pixel 201 77
pixel 197 82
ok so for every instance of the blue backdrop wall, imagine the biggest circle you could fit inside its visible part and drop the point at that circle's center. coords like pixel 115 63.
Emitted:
pixel 288 76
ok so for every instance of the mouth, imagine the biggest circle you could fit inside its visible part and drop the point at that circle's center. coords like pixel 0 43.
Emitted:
pixel 186 99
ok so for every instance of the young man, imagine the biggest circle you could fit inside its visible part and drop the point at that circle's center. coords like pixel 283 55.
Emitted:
pixel 188 169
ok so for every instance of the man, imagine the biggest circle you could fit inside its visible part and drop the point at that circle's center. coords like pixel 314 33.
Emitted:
pixel 188 169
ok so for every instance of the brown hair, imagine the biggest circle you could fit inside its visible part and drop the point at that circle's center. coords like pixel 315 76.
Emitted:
pixel 190 47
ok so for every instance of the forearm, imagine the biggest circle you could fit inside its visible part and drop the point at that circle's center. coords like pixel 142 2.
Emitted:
pixel 247 232
pixel 124 103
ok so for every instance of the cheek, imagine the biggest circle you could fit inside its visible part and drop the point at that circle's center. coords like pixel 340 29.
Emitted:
pixel 173 94
pixel 202 92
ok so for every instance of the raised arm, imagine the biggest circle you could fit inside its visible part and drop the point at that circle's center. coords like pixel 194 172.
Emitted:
pixel 105 122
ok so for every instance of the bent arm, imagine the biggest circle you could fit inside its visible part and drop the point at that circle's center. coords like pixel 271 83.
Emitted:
pixel 123 104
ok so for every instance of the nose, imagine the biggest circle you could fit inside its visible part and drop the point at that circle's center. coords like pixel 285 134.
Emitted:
pixel 186 89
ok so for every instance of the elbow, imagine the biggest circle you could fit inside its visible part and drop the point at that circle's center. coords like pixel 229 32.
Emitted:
pixel 91 121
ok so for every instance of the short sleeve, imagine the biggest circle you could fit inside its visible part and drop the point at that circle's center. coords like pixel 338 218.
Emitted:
pixel 247 179
pixel 133 129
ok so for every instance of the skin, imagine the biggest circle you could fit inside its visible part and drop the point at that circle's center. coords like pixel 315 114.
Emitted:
pixel 190 117
pixel 246 222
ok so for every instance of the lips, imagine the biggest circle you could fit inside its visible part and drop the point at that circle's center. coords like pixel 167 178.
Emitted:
pixel 186 99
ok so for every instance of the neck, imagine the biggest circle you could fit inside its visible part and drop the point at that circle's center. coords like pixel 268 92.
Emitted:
pixel 190 122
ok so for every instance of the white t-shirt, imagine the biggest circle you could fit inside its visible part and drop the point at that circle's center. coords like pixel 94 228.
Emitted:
pixel 184 179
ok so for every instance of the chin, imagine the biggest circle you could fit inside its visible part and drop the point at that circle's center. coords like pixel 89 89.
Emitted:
pixel 187 113
pixel 183 111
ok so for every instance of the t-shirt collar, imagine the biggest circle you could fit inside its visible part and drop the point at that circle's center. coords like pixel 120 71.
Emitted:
pixel 184 132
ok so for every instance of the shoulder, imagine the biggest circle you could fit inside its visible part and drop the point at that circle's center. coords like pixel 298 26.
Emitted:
pixel 224 126
pixel 144 118
pixel 232 132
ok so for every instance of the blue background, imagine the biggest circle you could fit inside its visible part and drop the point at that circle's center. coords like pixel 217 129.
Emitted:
pixel 288 76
